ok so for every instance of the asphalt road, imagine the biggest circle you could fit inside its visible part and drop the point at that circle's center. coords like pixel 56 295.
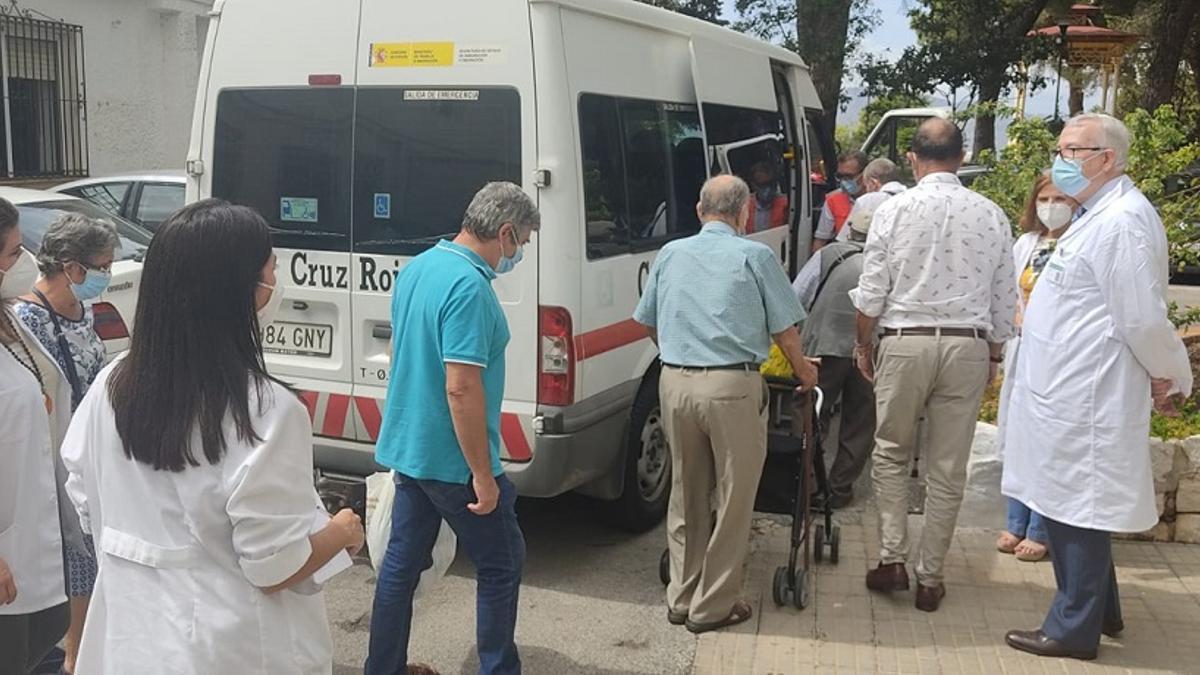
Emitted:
pixel 591 602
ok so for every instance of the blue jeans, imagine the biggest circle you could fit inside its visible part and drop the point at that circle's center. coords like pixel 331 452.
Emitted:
pixel 1025 522
pixel 494 544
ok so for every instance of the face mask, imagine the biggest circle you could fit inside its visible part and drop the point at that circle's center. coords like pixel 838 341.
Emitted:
pixel 266 313
pixel 1067 175
pixel 851 187
pixel 19 278
pixel 1054 214
pixel 765 195
pixel 94 283
pixel 508 263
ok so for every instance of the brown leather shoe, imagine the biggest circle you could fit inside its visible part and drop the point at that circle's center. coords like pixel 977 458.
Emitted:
pixel 929 598
pixel 1036 642
pixel 888 578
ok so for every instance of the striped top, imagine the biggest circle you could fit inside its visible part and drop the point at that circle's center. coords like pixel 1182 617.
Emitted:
pixel 716 299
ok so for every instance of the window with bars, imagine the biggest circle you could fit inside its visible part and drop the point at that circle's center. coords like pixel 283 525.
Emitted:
pixel 44 107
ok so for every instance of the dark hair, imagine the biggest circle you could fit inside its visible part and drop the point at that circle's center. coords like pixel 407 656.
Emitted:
pixel 9 216
pixel 196 345
pixel 938 140
pixel 857 156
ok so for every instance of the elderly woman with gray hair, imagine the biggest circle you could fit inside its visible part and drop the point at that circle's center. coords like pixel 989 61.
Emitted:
pixel 75 263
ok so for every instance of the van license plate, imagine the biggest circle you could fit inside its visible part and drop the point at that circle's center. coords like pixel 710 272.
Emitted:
pixel 298 339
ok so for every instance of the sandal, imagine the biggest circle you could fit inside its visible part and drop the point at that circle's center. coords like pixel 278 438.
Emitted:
pixel 1031 551
pixel 1008 543
pixel 740 613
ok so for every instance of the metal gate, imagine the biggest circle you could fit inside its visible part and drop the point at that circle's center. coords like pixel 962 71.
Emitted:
pixel 45 111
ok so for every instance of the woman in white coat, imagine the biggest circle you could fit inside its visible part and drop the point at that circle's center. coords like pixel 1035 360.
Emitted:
pixel 35 408
pixel 192 468
pixel 1048 214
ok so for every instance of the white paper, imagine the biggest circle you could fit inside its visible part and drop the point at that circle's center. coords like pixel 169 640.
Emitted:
pixel 339 563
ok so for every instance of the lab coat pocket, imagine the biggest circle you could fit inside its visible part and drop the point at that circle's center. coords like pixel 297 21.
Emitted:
pixel 1042 354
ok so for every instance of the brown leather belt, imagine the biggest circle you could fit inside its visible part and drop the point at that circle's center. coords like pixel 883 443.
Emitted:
pixel 933 331
pixel 747 367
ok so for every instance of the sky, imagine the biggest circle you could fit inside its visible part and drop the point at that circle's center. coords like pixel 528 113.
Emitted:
pixel 891 37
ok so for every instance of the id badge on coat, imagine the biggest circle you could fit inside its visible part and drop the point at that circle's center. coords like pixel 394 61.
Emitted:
pixel 1055 272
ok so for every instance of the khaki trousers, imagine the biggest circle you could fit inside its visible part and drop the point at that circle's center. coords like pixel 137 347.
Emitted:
pixel 945 378
pixel 716 425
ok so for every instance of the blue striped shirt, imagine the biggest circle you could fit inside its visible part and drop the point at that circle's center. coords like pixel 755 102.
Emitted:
pixel 716 299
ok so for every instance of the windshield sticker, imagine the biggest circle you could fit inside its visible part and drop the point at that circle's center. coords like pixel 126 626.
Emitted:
pixel 441 95
pixel 411 54
pixel 481 55
pixel 298 209
pixel 383 205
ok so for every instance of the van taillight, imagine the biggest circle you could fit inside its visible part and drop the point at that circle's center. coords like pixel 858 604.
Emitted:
pixel 556 357
pixel 109 324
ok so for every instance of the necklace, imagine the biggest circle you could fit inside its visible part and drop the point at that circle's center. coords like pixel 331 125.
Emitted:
pixel 28 362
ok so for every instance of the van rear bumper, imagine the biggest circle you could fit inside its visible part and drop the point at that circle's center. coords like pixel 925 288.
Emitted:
pixel 580 447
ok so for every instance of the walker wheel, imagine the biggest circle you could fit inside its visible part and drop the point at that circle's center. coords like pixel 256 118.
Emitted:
pixel 804 588
pixel 819 543
pixel 664 568
pixel 780 590
pixel 835 544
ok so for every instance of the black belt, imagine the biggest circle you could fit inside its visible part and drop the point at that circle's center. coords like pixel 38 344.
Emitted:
pixel 748 367
pixel 934 331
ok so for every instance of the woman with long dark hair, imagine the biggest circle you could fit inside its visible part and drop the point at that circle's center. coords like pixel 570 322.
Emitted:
pixel 35 408
pixel 192 467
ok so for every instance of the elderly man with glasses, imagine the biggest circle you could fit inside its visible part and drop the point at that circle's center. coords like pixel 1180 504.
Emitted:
pixel 1097 351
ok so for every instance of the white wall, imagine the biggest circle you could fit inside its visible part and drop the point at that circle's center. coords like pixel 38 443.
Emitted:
pixel 142 62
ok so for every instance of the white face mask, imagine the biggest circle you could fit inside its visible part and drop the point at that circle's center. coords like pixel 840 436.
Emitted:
pixel 1054 214
pixel 266 313
pixel 19 278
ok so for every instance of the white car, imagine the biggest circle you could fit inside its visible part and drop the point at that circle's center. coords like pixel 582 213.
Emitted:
pixel 114 309
pixel 146 198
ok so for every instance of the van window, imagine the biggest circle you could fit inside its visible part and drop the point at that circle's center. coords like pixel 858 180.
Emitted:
pixel 421 155
pixel 750 144
pixel 643 165
pixel 286 152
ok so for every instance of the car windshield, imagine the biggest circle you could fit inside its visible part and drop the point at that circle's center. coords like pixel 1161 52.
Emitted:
pixel 36 218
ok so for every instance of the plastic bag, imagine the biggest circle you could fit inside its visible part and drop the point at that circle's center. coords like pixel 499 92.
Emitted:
pixel 777 365
pixel 381 495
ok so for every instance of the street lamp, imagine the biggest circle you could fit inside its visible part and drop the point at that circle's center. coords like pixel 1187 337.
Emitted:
pixel 1061 41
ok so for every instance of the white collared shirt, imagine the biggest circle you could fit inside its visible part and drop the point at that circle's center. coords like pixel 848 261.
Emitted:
pixel 939 255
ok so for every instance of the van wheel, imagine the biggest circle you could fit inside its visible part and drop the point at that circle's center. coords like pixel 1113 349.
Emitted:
pixel 643 502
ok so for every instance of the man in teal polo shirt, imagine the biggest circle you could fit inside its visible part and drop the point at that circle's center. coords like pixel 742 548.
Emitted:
pixel 441 429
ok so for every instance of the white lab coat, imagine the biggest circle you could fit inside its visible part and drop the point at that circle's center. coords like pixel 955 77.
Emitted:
pixel 1022 250
pixel 1095 332
pixel 183 555
pixel 31 532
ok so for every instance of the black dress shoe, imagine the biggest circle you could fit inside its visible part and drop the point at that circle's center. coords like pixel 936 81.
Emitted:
pixel 1036 642
pixel 929 598
pixel 1114 629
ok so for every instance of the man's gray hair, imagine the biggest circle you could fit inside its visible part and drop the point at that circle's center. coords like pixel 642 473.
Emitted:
pixel 496 204
pixel 883 170
pixel 1114 134
pixel 724 196
pixel 75 237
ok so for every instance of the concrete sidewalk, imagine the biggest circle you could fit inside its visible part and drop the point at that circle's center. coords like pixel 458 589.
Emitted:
pixel 846 629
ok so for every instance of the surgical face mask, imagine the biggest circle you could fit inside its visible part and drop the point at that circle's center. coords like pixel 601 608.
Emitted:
pixel 266 313
pixel 1067 174
pixel 765 195
pixel 19 278
pixel 94 283
pixel 851 187
pixel 1054 214
pixel 507 263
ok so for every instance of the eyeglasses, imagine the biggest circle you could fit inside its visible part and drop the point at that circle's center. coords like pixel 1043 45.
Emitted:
pixel 1073 153
pixel 852 176
pixel 94 268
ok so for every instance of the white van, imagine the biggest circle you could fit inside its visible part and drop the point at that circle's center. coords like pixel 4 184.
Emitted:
pixel 361 129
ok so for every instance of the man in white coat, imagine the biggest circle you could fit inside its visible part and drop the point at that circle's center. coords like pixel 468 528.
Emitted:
pixel 1094 338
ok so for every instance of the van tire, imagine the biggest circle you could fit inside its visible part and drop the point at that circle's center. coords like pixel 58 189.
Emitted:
pixel 647 482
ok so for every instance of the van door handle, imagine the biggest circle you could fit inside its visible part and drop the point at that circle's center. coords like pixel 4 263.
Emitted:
pixel 381 331
pixel 300 305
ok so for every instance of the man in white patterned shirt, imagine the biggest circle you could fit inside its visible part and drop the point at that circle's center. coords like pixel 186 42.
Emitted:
pixel 938 280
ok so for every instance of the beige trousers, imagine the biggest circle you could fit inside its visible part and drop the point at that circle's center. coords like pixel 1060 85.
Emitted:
pixel 716 425
pixel 945 378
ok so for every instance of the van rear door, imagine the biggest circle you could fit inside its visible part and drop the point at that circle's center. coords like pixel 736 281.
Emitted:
pixel 445 104
pixel 279 113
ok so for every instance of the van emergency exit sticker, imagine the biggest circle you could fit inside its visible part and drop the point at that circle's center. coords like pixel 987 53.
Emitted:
pixel 425 54
pixel 298 209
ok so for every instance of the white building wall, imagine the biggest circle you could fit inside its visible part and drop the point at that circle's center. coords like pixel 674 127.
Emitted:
pixel 142 59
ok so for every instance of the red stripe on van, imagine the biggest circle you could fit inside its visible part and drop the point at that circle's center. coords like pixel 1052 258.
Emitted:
pixel 310 401
pixel 368 409
pixel 608 338
pixel 514 438
pixel 335 415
